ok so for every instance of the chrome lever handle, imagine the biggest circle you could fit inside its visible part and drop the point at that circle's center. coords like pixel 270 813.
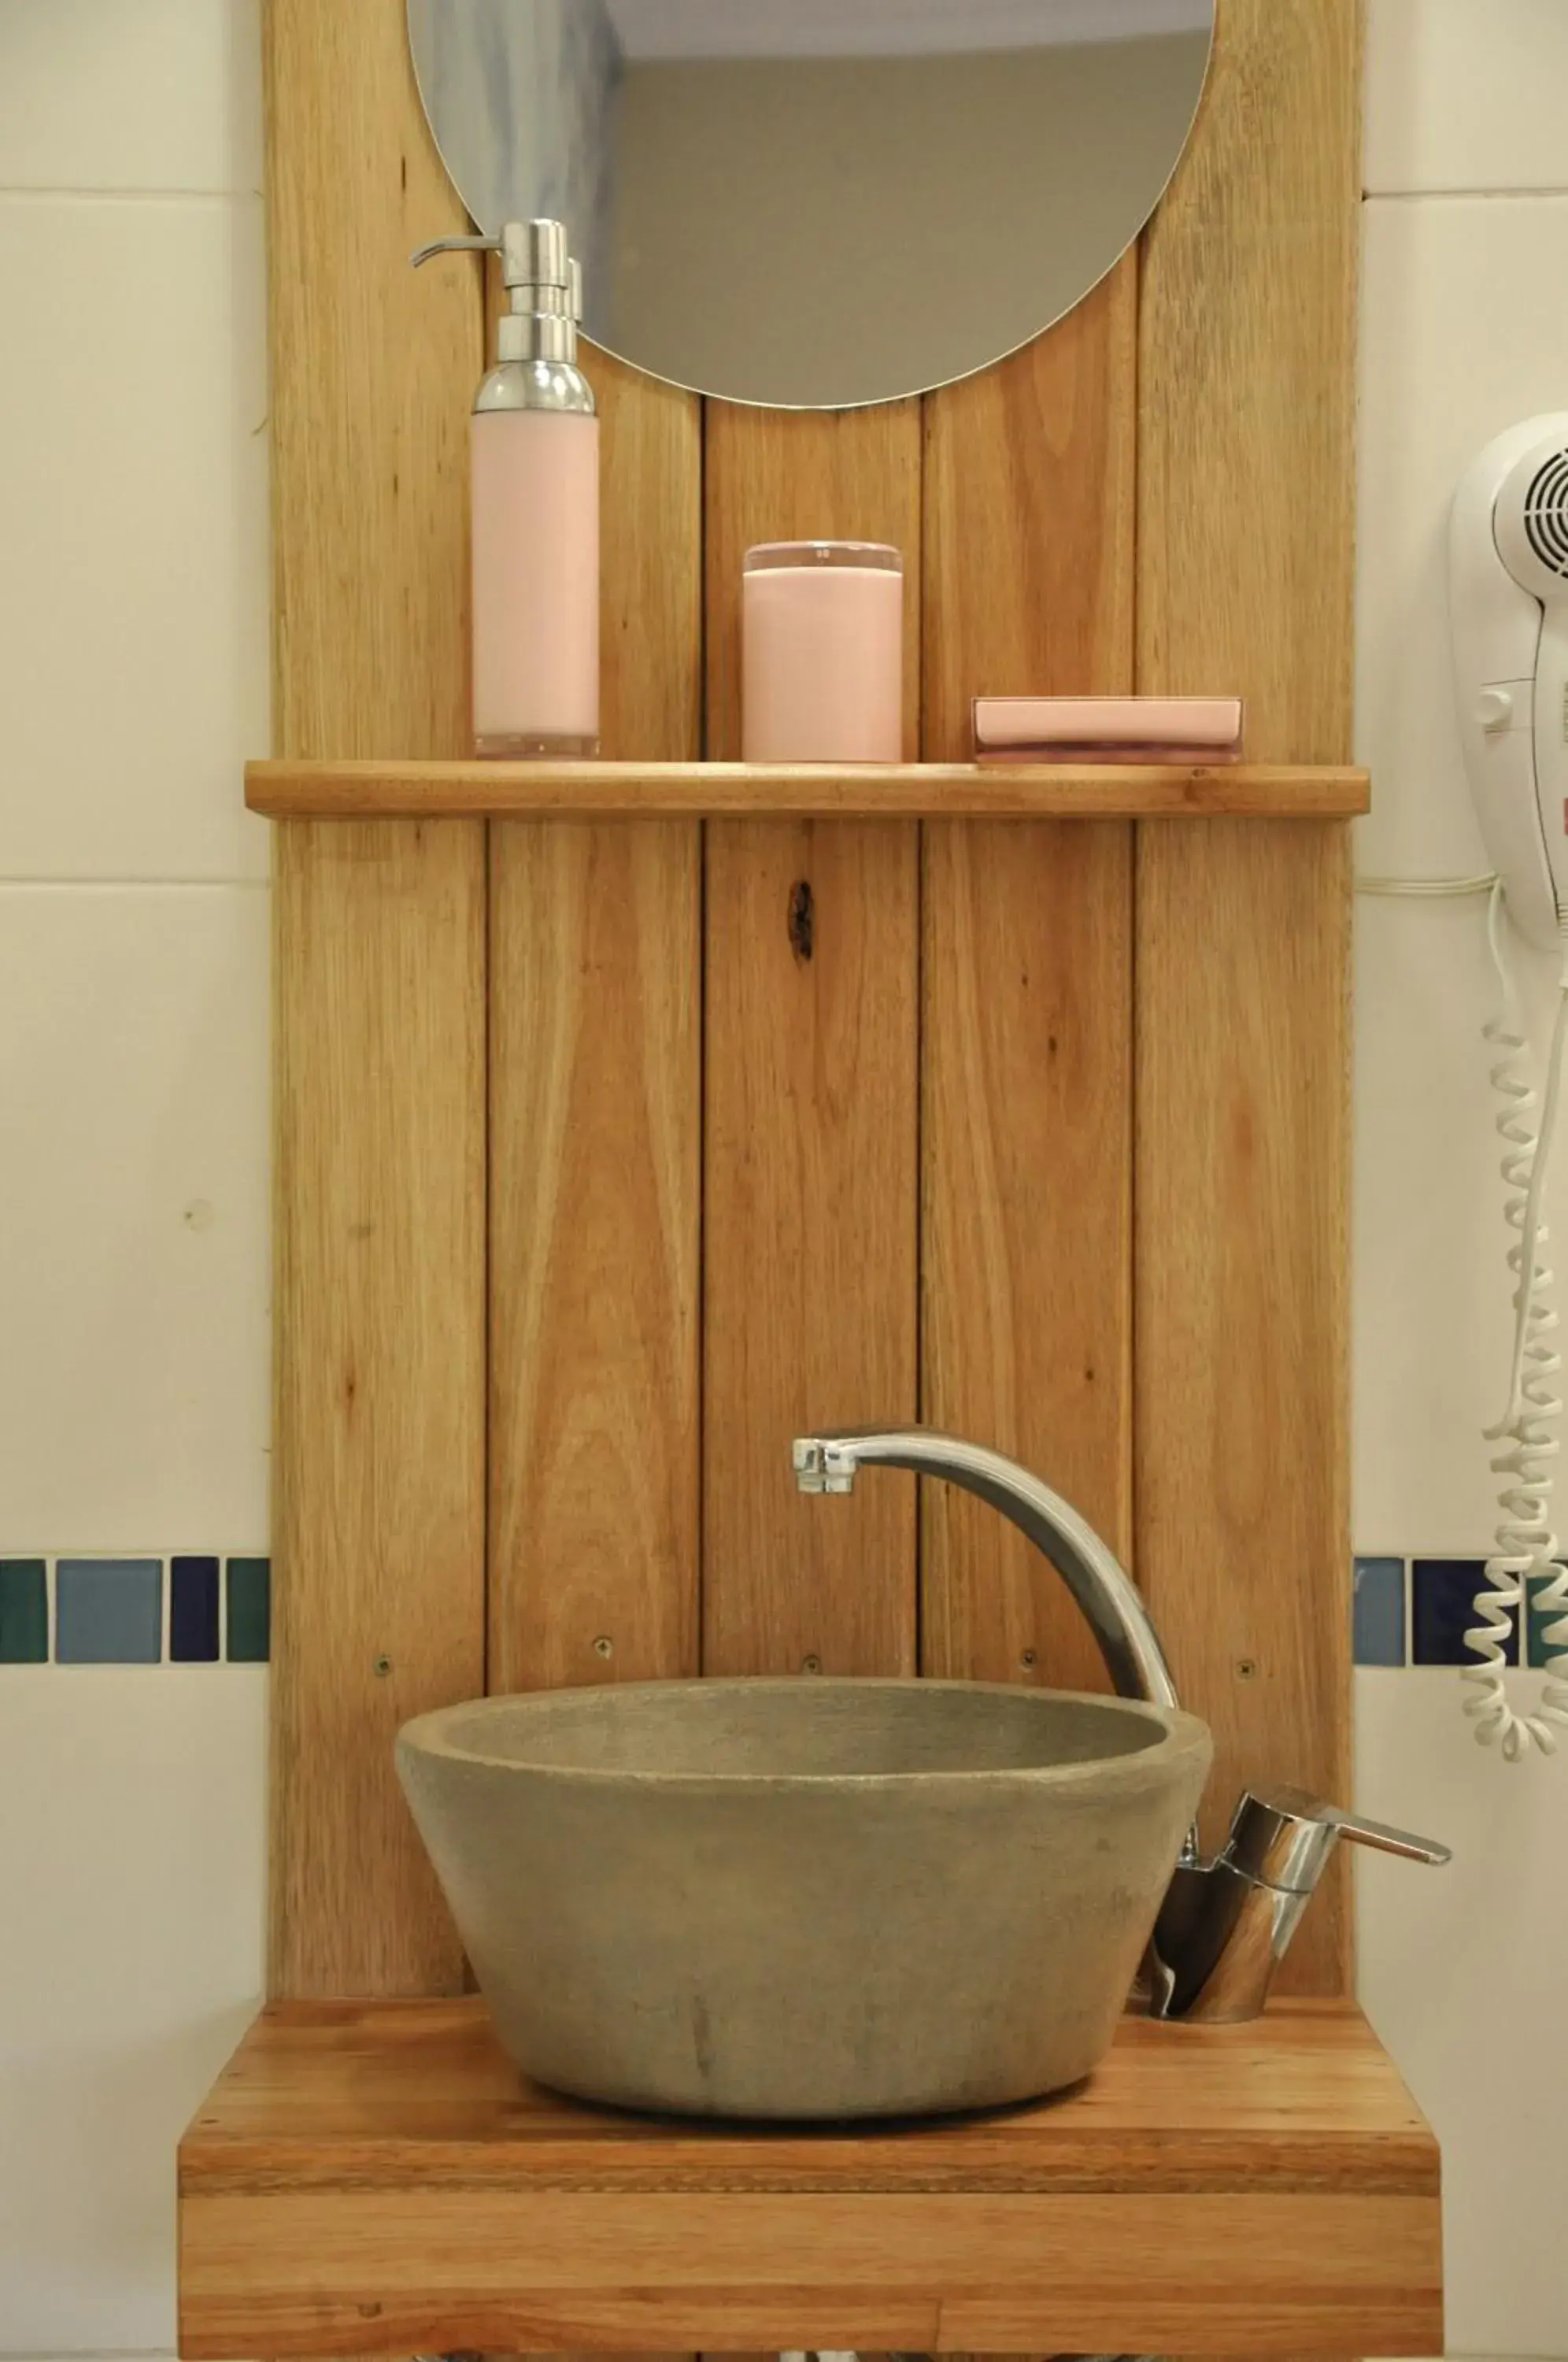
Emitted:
pixel 1386 1839
pixel 1283 1836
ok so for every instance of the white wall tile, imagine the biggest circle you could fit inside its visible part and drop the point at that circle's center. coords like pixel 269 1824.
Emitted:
pixel 133 1866
pixel 133 517
pixel 134 1247
pixel 1465 94
pixel 1432 1323
pixel 130 95
pixel 1462 1974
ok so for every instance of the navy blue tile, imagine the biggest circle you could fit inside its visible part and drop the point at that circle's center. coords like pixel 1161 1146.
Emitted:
pixel 1443 1609
pixel 1380 1611
pixel 250 1611
pixel 1543 1620
pixel 193 1611
pixel 108 1611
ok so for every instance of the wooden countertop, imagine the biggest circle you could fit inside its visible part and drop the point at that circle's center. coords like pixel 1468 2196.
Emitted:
pixel 398 791
pixel 369 2177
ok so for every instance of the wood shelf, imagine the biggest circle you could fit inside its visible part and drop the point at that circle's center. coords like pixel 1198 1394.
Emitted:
pixel 371 2178
pixel 391 791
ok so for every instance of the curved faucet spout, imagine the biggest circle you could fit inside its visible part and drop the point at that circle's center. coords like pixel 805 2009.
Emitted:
pixel 1104 1591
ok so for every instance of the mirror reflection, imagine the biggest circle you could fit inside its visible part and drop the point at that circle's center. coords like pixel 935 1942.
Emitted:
pixel 817 203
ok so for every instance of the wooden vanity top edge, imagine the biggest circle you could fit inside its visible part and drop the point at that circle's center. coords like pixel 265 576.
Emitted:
pixel 393 789
pixel 395 2092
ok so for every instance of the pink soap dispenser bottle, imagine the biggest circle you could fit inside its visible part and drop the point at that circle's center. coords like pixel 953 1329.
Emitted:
pixel 534 489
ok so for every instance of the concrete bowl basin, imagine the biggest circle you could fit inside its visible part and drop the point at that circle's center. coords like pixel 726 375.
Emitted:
pixel 807 1898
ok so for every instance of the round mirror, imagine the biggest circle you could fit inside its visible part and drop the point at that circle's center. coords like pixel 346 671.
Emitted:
pixel 817 203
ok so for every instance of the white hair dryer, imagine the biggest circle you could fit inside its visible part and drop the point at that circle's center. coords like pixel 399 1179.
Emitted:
pixel 1509 611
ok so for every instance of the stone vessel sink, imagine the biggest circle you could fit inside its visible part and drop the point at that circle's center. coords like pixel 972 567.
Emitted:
pixel 807 1898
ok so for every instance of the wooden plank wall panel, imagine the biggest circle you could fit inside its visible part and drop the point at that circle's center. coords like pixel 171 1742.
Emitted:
pixel 1244 582
pixel 378 1504
pixel 379 936
pixel 810 1083
pixel 814 1095
pixel 1026 1132
pixel 595 1116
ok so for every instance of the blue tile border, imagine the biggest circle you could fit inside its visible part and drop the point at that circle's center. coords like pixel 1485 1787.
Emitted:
pixel 1415 1611
pixel 90 1607
pixel 108 1609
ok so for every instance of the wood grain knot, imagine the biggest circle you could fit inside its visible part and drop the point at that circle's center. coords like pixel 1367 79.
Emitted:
pixel 802 919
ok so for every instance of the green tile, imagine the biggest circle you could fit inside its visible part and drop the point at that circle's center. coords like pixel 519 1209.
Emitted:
pixel 250 1611
pixel 23 1612
pixel 1542 1619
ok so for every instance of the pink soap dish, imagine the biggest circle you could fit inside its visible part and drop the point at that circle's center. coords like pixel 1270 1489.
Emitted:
pixel 1107 729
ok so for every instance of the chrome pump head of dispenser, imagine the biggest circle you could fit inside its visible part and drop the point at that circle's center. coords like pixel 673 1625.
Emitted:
pixel 537 338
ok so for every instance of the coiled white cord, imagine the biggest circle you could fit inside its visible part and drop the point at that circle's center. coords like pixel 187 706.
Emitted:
pixel 1526 1543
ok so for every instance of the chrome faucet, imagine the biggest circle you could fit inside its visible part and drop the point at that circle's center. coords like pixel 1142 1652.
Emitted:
pixel 1225 1924
pixel 1101 1585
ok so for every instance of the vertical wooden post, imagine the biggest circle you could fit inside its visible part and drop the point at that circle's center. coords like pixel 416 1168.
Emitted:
pixel 379 951
pixel 1245 556
pixel 1026 1236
